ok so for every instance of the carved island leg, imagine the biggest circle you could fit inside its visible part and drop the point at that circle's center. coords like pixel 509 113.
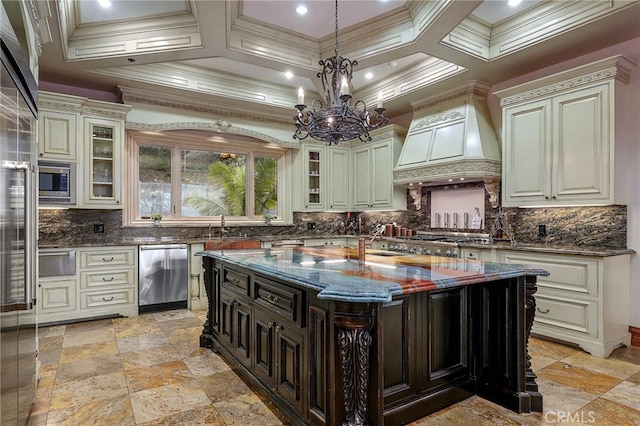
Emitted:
pixel 530 312
pixel 354 323
pixel 206 338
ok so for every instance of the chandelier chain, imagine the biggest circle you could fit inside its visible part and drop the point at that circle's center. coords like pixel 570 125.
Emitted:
pixel 336 40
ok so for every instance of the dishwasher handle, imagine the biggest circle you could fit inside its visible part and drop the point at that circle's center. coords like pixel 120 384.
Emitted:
pixel 164 247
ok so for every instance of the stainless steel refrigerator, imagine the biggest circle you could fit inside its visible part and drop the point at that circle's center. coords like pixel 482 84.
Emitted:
pixel 18 326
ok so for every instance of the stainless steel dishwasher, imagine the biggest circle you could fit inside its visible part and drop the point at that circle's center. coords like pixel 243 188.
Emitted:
pixel 162 277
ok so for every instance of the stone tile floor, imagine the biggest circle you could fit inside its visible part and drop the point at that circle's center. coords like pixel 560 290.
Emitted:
pixel 149 370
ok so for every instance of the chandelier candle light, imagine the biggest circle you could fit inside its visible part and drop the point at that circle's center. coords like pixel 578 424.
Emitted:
pixel 338 121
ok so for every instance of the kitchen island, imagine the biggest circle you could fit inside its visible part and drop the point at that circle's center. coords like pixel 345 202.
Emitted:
pixel 335 338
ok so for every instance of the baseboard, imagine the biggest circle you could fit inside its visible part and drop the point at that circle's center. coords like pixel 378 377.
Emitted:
pixel 635 335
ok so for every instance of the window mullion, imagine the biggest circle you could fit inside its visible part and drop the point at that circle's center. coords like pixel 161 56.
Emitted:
pixel 250 186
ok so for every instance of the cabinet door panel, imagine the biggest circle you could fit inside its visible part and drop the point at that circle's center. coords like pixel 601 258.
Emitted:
pixel 361 175
pixel 58 134
pixel 526 170
pixel 381 159
pixel 338 178
pixel 318 364
pixel 264 349
pixel 582 154
pixel 242 318
pixel 289 366
pixel 398 341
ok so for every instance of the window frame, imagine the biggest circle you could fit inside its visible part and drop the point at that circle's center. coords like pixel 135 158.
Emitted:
pixel 177 140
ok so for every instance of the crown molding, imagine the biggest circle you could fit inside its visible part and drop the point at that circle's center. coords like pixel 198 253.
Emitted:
pixel 482 40
pixel 208 82
pixel 156 34
pixel 411 79
pixel 200 104
pixel 219 125
pixel 614 68
pixel 483 168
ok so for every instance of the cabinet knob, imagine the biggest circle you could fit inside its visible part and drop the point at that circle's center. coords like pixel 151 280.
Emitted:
pixel 546 197
pixel 554 197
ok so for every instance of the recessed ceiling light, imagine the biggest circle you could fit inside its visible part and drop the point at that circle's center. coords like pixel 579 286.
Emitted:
pixel 288 75
pixel 104 3
pixel 368 75
pixel 301 9
pixel 514 3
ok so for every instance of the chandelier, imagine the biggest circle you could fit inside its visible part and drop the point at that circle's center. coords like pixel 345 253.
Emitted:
pixel 338 121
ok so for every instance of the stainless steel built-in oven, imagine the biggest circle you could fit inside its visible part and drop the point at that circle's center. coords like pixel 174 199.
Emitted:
pixel 56 182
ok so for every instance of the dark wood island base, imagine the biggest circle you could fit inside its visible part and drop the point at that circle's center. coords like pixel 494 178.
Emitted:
pixel 329 360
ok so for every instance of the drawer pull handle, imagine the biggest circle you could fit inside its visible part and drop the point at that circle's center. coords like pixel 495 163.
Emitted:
pixel 107 300
pixel 546 311
pixel 272 298
pixel 104 259
pixel 104 279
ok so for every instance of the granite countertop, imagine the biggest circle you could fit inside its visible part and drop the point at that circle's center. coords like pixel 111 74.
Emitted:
pixel 531 247
pixel 339 275
pixel 552 248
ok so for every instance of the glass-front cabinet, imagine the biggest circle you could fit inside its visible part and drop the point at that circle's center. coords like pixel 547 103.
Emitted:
pixel 315 188
pixel 103 145
pixel 102 183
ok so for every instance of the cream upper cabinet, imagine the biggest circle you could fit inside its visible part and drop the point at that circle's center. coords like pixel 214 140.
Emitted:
pixel 338 179
pixel 372 172
pixel 324 184
pixel 58 126
pixel 101 185
pixel 563 144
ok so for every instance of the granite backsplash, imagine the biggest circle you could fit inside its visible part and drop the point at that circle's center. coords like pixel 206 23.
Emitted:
pixel 603 227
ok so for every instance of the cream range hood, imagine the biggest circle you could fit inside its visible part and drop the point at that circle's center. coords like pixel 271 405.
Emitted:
pixel 451 139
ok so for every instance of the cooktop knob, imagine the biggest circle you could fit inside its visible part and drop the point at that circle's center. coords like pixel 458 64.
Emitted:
pixel 428 252
pixel 438 252
pixel 418 250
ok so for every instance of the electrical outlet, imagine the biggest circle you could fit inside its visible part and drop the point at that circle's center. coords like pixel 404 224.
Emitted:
pixel 542 230
pixel 98 228
pixel 311 225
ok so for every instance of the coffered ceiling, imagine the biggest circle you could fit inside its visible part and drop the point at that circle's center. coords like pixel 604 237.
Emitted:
pixel 235 53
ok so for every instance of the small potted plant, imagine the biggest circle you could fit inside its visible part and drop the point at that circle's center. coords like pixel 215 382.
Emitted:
pixel 156 217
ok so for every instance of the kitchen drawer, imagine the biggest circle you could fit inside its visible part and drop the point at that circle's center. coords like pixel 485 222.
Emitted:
pixel 236 281
pixel 573 314
pixel 566 273
pixel 278 298
pixel 95 259
pixel 107 278
pixel 95 299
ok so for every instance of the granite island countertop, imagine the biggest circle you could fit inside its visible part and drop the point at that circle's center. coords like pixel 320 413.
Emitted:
pixel 337 274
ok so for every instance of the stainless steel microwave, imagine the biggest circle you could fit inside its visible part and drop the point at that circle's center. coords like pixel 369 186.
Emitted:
pixel 56 182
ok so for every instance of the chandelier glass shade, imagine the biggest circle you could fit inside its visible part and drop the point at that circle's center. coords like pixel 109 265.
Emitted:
pixel 336 120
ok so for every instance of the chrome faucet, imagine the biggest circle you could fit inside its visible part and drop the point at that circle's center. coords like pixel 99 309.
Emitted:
pixel 222 230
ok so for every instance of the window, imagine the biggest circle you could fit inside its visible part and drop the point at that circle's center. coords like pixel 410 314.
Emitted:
pixel 193 176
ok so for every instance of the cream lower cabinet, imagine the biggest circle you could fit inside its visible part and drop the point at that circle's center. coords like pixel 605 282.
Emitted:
pixel 584 300
pixel 105 283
